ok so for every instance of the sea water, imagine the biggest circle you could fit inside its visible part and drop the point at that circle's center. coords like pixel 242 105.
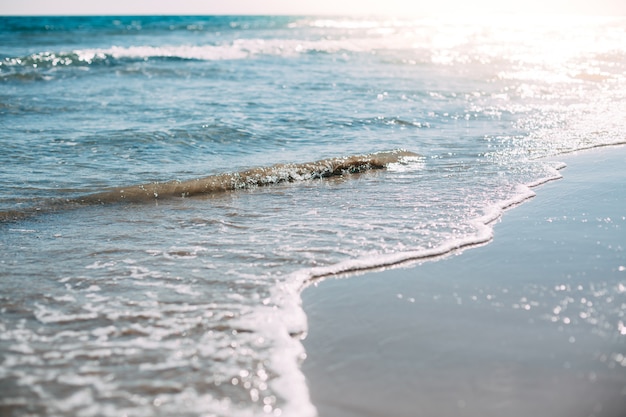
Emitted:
pixel 189 305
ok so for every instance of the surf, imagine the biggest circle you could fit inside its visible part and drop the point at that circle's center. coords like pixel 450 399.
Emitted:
pixel 225 182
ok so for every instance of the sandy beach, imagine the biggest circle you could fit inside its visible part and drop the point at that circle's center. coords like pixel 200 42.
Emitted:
pixel 531 324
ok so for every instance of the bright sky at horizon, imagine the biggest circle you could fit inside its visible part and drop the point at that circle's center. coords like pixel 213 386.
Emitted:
pixel 396 8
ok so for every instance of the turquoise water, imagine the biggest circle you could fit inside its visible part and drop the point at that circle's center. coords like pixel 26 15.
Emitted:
pixel 191 305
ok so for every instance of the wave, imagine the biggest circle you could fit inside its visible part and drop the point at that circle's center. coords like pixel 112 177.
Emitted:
pixel 251 178
pixel 255 177
pixel 237 49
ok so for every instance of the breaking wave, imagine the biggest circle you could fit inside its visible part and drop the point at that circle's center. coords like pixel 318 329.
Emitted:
pixel 237 49
pixel 254 177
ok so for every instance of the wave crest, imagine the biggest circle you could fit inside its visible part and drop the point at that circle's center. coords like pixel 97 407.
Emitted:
pixel 251 178
pixel 238 49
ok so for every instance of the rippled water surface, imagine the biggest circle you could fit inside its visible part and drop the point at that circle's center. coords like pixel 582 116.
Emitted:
pixel 191 305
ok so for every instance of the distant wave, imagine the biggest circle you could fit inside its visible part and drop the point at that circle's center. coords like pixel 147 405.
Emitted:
pixel 251 178
pixel 238 49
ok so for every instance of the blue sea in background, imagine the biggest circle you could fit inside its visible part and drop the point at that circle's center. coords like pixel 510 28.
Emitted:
pixel 191 306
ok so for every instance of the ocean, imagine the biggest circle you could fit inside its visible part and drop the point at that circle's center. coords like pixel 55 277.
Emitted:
pixel 170 184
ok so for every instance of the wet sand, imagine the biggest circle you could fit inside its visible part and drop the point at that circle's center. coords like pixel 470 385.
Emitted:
pixel 531 324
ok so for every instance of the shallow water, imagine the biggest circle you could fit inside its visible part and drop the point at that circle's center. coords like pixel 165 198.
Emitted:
pixel 192 305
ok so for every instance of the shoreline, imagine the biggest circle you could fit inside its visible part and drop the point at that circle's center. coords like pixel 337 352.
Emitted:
pixel 528 324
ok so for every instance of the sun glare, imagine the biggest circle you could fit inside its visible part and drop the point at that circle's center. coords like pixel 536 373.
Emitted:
pixel 402 8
